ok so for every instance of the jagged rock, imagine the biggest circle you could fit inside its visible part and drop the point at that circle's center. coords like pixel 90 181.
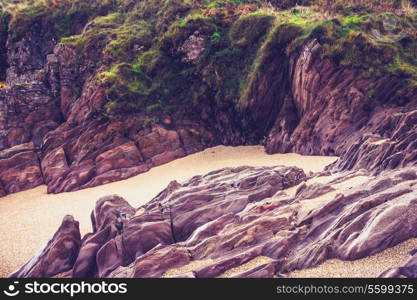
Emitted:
pixel 123 156
pixel 19 169
pixel 262 271
pixel 300 103
pixel 26 114
pixel 363 134
pixel 229 217
pixel 224 264
pixel 54 129
pixel 28 110
pixel 59 254
pixel 54 167
pixel 393 145
pixel 160 145
pixel 108 219
pixel 124 237
pixel 77 148
pixel 158 260
pixel 103 153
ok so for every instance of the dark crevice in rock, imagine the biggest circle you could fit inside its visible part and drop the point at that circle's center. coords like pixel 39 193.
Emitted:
pixel 171 222
pixel 4 65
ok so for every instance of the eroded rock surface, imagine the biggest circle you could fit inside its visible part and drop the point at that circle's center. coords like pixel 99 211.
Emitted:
pixel 72 144
pixel 180 217
pixel 300 103
pixel 58 255
pixel 19 169
pixel 327 111
pixel 266 221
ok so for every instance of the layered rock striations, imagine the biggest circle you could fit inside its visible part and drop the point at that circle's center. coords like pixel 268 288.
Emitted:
pixel 72 147
pixel 243 222
pixel 98 93
pixel 328 112
pixel 94 115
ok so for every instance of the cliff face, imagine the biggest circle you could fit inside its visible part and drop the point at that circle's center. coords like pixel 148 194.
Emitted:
pixel 108 98
pixel 328 112
pixel 106 91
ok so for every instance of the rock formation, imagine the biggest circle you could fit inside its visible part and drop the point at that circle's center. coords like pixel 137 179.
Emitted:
pixel 19 169
pixel 103 92
pixel 86 130
pixel 276 219
pixel 326 116
pixel 58 255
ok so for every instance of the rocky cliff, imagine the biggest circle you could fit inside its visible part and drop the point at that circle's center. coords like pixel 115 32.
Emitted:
pixel 118 89
pixel 266 221
pixel 98 91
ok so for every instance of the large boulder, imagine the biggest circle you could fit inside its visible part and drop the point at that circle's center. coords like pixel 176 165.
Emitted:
pixel 108 219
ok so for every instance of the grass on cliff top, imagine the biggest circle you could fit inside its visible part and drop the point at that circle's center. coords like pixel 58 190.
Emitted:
pixel 143 69
pixel 378 45
pixel 239 44
pixel 61 15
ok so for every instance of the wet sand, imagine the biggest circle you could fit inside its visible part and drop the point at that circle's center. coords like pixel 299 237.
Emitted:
pixel 28 219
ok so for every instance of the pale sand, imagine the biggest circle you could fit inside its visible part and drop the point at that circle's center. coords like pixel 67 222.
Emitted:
pixel 370 266
pixel 256 262
pixel 192 266
pixel 197 264
pixel 28 219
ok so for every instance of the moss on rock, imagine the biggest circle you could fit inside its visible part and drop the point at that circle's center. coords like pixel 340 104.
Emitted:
pixel 63 16
pixel 140 45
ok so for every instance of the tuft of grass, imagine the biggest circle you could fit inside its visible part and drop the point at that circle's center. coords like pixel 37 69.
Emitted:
pixel 60 15
pixel 4 34
pixel 136 44
pixel 247 30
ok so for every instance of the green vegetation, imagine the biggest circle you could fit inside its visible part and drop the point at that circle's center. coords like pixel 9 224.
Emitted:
pixel 140 44
pixel 4 20
pixel 61 15
pixel 379 45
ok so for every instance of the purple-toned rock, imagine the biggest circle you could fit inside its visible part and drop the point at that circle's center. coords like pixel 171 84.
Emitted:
pixel 263 271
pixel 19 169
pixel 123 156
pixel 228 218
pixel 58 255
pixel 226 263
pixel 159 260
pixel 327 111
pixel 108 219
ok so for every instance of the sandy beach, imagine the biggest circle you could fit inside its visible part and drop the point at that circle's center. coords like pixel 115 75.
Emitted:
pixel 28 219
pixel 367 267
